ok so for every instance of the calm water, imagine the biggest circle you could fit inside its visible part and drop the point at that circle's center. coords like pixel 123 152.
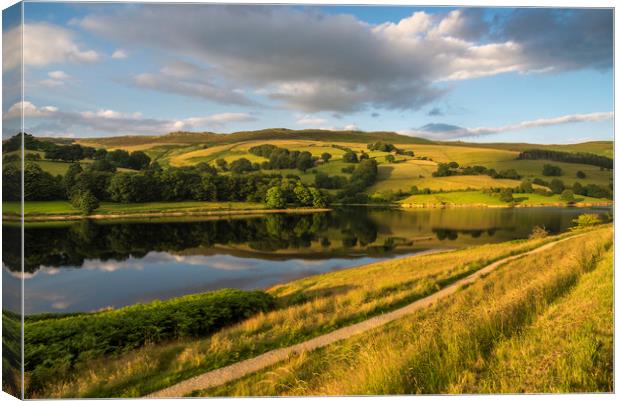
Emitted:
pixel 86 266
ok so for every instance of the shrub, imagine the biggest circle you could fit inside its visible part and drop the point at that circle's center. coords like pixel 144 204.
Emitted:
pixel 567 196
pixel 390 158
pixel 65 341
pixel 551 170
pixel 350 157
pixel 505 195
pixel 587 220
pixel 538 232
pixel 581 174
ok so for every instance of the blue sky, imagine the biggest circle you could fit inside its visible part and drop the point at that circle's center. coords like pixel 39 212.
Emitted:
pixel 481 74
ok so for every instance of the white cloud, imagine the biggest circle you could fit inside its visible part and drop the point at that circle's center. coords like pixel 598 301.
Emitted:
pixel 43 44
pixel 56 78
pixel 119 54
pixel 60 75
pixel 50 121
pixel 447 132
pixel 313 62
pixel 310 121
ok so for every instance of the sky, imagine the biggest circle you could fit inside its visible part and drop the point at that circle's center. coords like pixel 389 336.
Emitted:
pixel 539 75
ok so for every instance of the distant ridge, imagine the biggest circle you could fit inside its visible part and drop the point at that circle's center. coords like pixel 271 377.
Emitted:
pixel 264 135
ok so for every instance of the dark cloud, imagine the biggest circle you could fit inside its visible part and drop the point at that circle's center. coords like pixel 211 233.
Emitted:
pixel 435 111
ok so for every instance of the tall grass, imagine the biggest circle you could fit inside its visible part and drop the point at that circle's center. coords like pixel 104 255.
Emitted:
pixel 439 349
pixel 308 307
pixel 567 349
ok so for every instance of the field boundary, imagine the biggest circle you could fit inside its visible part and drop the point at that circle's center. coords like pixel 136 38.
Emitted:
pixel 240 369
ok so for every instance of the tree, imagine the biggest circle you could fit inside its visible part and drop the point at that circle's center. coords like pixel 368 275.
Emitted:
pixel 118 157
pixel 364 156
pixel 390 158
pixel 138 160
pixel 326 156
pixel 303 195
pixel 304 161
pixel 526 187
pixel 350 157
pixel 275 198
pixel 556 186
pixel 567 196
pixel 41 185
pixel 222 164
pixel 241 166
pixel 70 177
pixel 85 201
pixel 505 195
pixel 550 170
pixel 318 199
pixel 453 165
pixel 581 174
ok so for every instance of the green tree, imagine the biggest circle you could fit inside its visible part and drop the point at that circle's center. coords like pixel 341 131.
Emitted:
pixel 222 164
pixel 138 160
pixel 350 157
pixel 240 166
pixel 581 174
pixel 275 198
pixel 70 177
pixel 567 196
pixel 318 199
pixel 550 170
pixel 390 158
pixel 303 195
pixel 505 195
pixel 85 201
pixel 556 186
pixel 526 187
pixel 326 156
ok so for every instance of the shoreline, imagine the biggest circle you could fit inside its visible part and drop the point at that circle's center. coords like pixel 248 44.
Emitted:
pixel 507 206
pixel 117 216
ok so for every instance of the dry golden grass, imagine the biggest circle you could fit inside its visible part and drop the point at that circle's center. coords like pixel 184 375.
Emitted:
pixel 441 349
pixel 311 306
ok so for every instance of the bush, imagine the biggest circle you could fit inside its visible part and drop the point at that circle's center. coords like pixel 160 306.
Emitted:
pixel 581 174
pixel 505 195
pixel 568 196
pixel 551 170
pixel 587 220
pixel 72 339
pixel 350 157
pixel 538 232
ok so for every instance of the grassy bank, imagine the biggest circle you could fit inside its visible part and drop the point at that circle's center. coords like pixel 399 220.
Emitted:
pixel 56 345
pixel 50 208
pixel 477 198
pixel 451 347
pixel 307 308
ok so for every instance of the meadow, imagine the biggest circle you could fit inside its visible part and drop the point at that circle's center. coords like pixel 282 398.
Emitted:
pixel 469 198
pixel 41 208
pixel 305 308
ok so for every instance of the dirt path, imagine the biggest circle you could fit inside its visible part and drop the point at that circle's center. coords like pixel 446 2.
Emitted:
pixel 237 370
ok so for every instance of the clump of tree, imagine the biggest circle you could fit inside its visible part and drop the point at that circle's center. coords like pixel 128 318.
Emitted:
pixel 505 195
pixel 568 157
pixel 323 180
pixel 381 147
pixel 568 196
pixel 281 158
pixel 550 170
pixel 350 157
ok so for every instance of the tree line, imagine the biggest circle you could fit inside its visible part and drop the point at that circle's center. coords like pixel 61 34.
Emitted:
pixel 568 157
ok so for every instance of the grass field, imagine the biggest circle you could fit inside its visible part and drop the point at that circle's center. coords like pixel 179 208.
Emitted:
pixel 308 307
pixel 65 208
pixel 533 168
pixel 479 198
pixel 603 148
pixel 452 346
pixel 451 183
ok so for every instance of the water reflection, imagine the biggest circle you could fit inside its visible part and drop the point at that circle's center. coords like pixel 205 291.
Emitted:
pixel 89 265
